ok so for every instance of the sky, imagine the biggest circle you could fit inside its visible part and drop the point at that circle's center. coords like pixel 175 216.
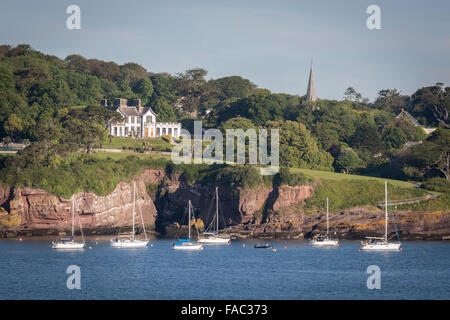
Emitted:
pixel 271 43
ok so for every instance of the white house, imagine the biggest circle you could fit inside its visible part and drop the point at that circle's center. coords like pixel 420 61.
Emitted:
pixel 139 121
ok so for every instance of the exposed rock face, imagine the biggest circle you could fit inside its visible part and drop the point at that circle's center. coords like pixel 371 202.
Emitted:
pixel 354 223
pixel 239 206
pixel 262 212
pixel 39 211
pixel 291 195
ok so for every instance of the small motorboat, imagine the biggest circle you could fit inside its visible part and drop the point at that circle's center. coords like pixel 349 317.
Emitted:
pixel 263 246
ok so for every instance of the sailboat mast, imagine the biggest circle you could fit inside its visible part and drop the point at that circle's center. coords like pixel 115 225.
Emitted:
pixel 73 217
pixel 217 210
pixel 327 218
pixel 385 210
pixel 134 201
pixel 189 221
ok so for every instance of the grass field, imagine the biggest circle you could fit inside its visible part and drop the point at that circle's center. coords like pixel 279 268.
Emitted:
pixel 157 144
pixel 123 155
pixel 328 175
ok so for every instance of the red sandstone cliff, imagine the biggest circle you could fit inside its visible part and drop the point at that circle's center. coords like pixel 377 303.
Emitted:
pixel 35 209
pixel 265 211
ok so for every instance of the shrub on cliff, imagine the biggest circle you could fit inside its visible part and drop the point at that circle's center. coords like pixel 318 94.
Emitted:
pixel 437 184
pixel 245 176
pixel 286 176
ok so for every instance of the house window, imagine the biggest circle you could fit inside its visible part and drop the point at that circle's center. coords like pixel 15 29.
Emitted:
pixel 120 131
pixel 126 131
pixel 149 119
pixel 138 119
pixel 115 131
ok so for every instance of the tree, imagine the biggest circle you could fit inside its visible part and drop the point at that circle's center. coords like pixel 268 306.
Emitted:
pixel 78 64
pixel 432 154
pixel 348 160
pixel 351 94
pixel 431 105
pixel 164 87
pixel 393 137
pixel 259 108
pixel 226 88
pixel 143 88
pixel 391 100
pixel 366 136
pixel 162 108
pixel 13 126
pixel 238 123
pixel 191 86
pixel 298 148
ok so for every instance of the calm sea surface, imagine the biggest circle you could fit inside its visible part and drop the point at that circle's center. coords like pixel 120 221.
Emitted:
pixel 32 270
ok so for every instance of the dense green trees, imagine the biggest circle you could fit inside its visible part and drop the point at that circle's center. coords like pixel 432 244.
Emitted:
pixel 298 148
pixel 394 137
pixel 431 105
pixel 432 154
pixel 39 94
pixel 348 159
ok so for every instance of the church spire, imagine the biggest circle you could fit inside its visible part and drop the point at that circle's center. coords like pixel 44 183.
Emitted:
pixel 311 92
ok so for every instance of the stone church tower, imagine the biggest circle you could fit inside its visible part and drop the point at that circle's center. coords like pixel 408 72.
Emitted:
pixel 311 92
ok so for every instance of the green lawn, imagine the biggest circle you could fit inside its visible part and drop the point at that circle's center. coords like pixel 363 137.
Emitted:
pixel 157 144
pixel 123 155
pixel 342 176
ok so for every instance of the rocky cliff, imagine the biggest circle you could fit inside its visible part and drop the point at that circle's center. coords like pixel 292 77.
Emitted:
pixel 162 199
pixel 34 211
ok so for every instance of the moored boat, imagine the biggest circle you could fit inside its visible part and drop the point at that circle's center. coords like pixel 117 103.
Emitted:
pixel 382 243
pixel 186 244
pixel 211 235
pixel 323 241
pixel 129 241
pixel 69 242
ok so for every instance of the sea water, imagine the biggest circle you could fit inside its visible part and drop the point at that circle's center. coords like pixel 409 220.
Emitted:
pixel 30 269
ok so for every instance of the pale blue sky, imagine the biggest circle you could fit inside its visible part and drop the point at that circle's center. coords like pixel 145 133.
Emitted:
pixel 269 42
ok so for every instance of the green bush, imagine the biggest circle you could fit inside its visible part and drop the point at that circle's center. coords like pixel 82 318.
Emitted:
pixel 286 176
pixel 79 173
pixel 437 184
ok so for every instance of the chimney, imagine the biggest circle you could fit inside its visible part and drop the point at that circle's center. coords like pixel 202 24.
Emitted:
pixel 120 102
pixel 137 103
pixel 104 102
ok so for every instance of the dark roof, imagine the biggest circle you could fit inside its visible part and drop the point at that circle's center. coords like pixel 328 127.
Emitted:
pixel 133 111
pixel 409 116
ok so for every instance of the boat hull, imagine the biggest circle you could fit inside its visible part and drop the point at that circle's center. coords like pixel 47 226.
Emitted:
pixel 67 245
pixel 324 243
pixel 129 244
pixel 214 240
pixel 382 247
pixel 187 247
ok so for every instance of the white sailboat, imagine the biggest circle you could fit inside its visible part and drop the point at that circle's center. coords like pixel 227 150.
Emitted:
pixel 69 242
pixel 186 244
pixel 212 237
pixel 322 241
pixel 129 241
pixel 381 243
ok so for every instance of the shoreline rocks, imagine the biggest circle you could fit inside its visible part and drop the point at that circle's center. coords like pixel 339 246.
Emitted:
pixel 262 213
